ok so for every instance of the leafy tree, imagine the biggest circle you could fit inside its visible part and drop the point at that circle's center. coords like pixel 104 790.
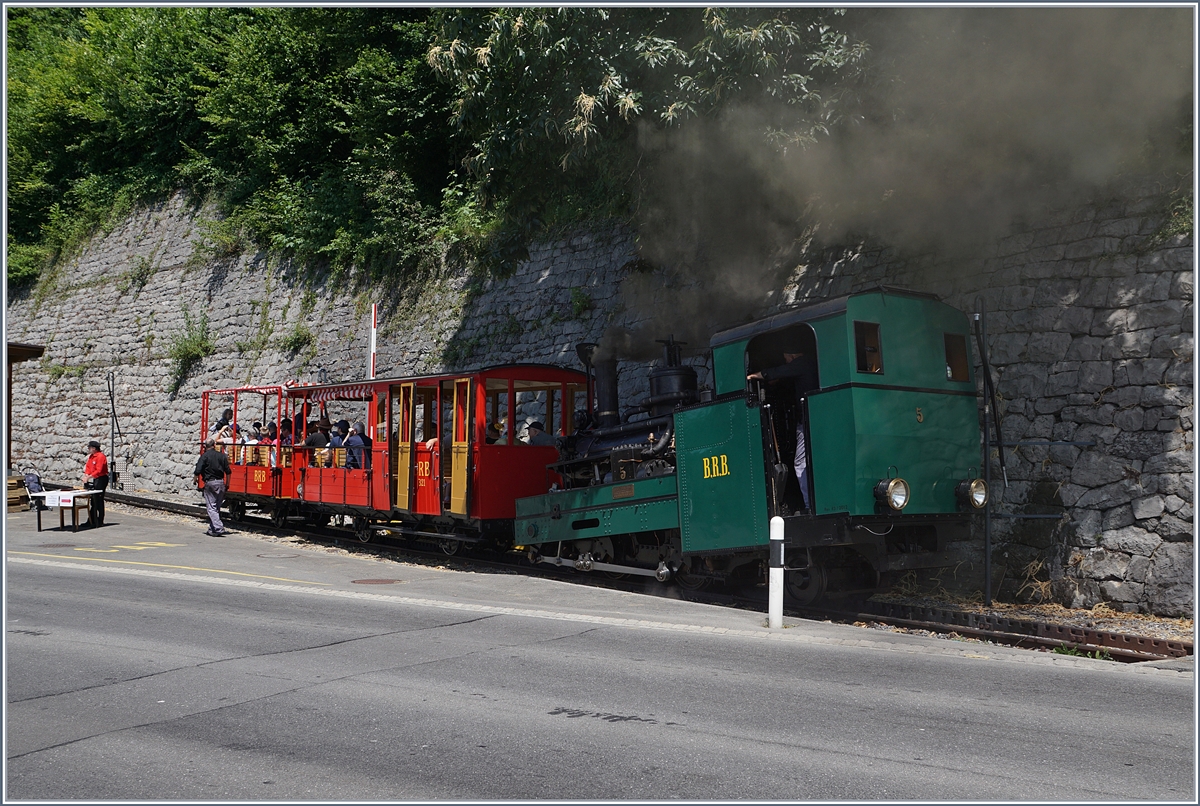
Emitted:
pixel 322 131
pixel 555 100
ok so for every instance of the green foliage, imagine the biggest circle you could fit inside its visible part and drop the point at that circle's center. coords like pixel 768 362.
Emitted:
pixel 138 275
pixel 581 303
pixel 338 137
pixel 58 371
pixel 1097 654
pixel 556 100
pixel 322 132
pixel 188 348
pixel 297 339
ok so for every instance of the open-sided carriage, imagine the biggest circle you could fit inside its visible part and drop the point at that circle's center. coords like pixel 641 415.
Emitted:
pixel 430 468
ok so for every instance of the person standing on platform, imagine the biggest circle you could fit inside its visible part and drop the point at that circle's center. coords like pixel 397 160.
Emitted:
pixel 95 477
pixel 212 468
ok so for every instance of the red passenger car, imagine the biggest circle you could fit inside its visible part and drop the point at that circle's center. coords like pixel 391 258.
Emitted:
pixel 446 456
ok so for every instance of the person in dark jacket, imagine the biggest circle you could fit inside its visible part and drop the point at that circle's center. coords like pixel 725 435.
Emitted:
pixel 212 468
pixel 226 419
pixel 358 444
pixel 800 371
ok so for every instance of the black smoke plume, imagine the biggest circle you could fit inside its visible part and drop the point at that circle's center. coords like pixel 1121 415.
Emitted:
pixel 966 122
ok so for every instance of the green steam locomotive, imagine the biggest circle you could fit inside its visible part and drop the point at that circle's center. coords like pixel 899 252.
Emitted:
pixel 875 390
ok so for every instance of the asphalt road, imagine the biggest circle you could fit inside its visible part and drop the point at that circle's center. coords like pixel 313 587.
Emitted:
pixel 148 661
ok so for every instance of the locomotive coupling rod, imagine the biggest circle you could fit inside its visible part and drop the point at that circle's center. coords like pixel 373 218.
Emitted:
pixel 775 589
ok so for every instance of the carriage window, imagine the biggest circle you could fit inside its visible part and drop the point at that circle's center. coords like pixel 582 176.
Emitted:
pixel 957 368
pixel 867 347
pixel 496 411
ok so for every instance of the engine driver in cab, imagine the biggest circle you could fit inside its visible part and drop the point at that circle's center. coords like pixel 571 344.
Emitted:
pixel 801 370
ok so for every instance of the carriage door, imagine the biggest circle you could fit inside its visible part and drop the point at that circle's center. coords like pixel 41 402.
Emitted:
pixel 402 469
pixel 460 446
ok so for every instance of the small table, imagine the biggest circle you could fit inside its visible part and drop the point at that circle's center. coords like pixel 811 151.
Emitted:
pixel 74 500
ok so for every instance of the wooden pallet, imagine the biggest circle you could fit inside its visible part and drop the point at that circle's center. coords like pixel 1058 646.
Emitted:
pixel 18 496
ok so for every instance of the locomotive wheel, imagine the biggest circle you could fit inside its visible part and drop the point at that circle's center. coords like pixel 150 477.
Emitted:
pixel 362 529
pixel 279 516
pixel 449 547
pixel 689 581
pixel 805 585
pixel 237 511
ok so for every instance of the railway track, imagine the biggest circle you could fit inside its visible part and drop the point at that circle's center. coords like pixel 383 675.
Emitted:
pixel 1024 633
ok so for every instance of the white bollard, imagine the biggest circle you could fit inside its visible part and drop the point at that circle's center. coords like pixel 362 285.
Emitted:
pixel 775 590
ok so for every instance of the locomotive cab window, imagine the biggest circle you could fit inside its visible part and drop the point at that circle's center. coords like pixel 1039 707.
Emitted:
pixel 867 347
pixel 957 367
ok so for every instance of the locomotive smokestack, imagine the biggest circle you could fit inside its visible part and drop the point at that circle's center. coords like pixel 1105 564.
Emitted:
pixel 585 350
pixel 607 404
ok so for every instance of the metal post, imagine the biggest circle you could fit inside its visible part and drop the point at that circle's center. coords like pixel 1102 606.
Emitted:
pixel 987 470
pixel 374 331
pixel 775 590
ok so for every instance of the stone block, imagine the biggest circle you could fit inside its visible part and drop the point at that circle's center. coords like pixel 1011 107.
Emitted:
pixel 1172 528
pixel 1149 507
pixel 1118 228
pixel 1178 372
pixel 1131 540
pixel 1170 600
pixel 1049 405
pixel 1128 345
pixel 1095 376
pixel 1166 395
pixel 1021 381
pixel 1100 564
pixel 1092 248
pixel 1130 419
pixel 1111 495
pixel 1141 371
pixel 1084 348
pixel 1121 591
pixel 1060 383
pixel 1109 322
pixel 1097 415
pixel 1007 348
pixel 1174 346
pixel 1071 493
pixel 1117 518
pixel 1096 469
pixel 1181 259
pixel 1171 564
pixel 1173 503
pixel 1073 320
pixel 1047 347
pixel 1157 314
pixel 1182 287
pixel 1138 445
pixel 1138 569
pixel 1036 321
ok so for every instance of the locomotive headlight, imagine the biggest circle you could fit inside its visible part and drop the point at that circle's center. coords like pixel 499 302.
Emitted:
pixel 973 492
pixel 893 492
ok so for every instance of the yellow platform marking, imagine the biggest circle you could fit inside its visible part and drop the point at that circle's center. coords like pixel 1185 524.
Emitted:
pixel 164 565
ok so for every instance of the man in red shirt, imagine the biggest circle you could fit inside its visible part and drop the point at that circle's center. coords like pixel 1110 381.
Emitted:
pixel 95 477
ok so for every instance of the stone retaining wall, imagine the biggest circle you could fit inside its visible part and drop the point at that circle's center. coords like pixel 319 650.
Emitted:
pixel 1090 319
pixel 1089 314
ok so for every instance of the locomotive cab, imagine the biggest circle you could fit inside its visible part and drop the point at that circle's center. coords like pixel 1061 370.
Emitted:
pixel 785 407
